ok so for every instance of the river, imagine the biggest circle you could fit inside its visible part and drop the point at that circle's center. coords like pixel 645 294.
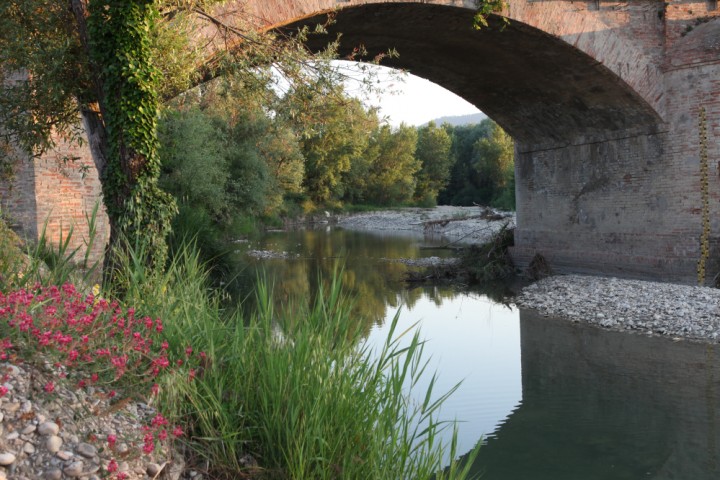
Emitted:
pixel 549 399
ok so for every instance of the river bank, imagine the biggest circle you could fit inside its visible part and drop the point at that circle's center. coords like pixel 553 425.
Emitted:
pixel 653 308
pixel 460 225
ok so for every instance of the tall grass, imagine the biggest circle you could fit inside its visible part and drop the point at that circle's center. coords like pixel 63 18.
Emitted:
pixel 46 261
pixel 296 390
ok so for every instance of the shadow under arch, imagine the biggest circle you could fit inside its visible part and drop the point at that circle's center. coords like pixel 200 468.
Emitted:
pixel 543 91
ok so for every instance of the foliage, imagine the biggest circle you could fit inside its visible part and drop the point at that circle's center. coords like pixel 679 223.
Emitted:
pixel 119 43
pixel 433 151
pixel 334 132
pixel 12 260
pixel 485 8
pixel 391 178
pixel 491 261
pixel 37 36
pixel 484 171
pixel 494 162
pixel 24 264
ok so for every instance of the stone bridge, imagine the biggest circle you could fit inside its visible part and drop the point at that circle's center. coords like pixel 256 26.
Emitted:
pixel 603 98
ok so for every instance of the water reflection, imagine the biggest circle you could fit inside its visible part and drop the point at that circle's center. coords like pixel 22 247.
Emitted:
pixel 367 276
pixel 552 400
pixel 608 405
pixel 470 339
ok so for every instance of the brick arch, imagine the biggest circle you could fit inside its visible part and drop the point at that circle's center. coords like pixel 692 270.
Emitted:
pixel 560 73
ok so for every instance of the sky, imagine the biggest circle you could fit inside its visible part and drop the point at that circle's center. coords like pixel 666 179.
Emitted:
pixel 411 99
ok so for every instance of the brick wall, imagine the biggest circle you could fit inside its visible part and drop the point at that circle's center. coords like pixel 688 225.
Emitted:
pixel 58 192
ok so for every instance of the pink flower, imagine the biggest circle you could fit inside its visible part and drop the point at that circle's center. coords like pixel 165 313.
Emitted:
pixel 188 350
pixel 158 421
pixel 49 387
pixel 111 439
pixel 177 431
pixel 122 476
pixel 112 466
pixel 155 389
pixel 148 444
pixel 162 435
pixel 3 390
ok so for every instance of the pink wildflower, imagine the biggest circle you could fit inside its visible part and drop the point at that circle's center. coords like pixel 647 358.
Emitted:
pixel 3 390
pixel 112 466
pixel 158 421
pixel 162 435
pixel 148 443
pixel 49 387
pixel 177 431
pixel 111 439
pixel 188 350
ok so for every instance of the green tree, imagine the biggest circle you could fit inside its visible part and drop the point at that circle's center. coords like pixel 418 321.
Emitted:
pixel 433 152
pixel 334 131
pixel 392 176
pixel 494 163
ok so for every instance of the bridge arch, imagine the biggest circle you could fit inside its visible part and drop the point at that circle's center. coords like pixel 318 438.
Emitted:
pixel 541 89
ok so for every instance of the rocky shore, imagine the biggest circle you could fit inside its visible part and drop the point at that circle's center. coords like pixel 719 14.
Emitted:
pixel 56 433
pixel 654 308
pixel 461 225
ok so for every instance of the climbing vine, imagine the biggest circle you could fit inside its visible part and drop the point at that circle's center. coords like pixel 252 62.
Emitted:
pixel 705 196
pixel 485 8
pixel 120 42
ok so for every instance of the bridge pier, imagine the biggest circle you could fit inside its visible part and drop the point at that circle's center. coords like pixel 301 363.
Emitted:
pixel 56 192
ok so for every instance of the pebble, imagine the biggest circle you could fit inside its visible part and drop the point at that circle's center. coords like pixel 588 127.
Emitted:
pixel 53 474
pixel 86 450
pixel 53 443
pixel 29 429
pixel 152 469
pixel 75 469
pixel 12 436
pixel 64 455
pixel 48 428
pixel 7 458
pixel 679 311
pixel 29 448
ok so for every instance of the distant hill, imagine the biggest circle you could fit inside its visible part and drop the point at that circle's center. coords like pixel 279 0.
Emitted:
pixel 461 119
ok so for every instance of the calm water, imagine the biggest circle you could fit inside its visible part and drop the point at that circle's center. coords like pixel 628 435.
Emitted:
pixel 549 399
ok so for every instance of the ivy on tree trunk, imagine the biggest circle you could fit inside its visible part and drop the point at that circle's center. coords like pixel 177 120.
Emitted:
pixel 117 35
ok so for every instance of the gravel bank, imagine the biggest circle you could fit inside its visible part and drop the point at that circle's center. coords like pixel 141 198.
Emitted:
pixel 459 224
pixel 632 305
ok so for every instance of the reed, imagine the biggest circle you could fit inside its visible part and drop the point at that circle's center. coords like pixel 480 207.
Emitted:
pixel 294 394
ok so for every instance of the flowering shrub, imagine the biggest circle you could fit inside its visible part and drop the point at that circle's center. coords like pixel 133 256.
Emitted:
pixel 90 341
